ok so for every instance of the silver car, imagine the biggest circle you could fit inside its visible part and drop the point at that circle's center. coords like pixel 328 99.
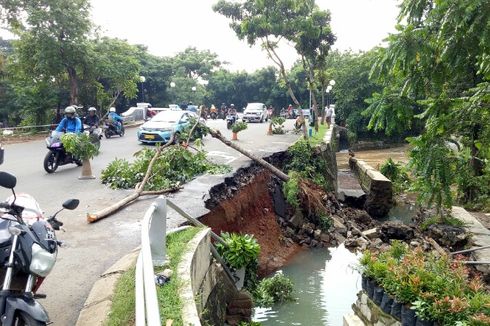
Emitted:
pixel 255 112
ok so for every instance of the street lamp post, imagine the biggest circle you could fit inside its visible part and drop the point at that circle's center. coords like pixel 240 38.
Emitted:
pixel 142 80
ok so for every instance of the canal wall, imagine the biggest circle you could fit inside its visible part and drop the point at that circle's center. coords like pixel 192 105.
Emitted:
pixel 369 314
pixel 207 293
pixel 378 188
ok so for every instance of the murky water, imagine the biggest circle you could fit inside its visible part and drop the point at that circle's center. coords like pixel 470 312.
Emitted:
pixel 325 288
pixel 402 212
pixel 375 157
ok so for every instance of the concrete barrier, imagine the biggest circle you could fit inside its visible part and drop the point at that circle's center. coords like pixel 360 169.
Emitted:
pixel 378 188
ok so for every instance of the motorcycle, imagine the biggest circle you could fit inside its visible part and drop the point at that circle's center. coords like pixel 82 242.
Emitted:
pixel 28 250
pixel 214 115
pixel 111 129
pixel 57 154
pixel 230 120
pixel 94 133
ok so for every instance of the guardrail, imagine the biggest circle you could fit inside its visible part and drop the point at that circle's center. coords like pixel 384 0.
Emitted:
pixel 153 254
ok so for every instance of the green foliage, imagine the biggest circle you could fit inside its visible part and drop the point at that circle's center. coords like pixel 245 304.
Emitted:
pixel 252 323
pixel 274 290
pixel 79 145
pixel 278 125
pixel 324 223
pixel 439 288
pixel 200 130
pixel 308 164
pixel 175 166
pixel 123 301
pixel 447 220
pixel 290 189
pixel 397 174
pixel 239 250
pixel 239 126
pixel 436 70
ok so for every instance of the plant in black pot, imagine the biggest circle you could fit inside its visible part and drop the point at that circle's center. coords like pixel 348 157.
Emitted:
pixel 239 252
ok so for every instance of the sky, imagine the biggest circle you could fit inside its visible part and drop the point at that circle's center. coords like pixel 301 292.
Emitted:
pixel 169 26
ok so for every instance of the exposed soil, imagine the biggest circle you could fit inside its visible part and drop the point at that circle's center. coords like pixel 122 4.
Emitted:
pixel 251 210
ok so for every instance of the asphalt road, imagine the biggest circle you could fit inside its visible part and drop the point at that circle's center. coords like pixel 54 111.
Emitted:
pixel 92 248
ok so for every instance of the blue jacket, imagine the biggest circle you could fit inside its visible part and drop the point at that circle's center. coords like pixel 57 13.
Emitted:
pixel 73 125
pixel 115 117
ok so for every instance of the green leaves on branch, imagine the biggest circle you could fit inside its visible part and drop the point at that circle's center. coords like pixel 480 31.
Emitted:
pixel 278 125
pixel 239 126
pixel 79 145
pixel 273 290
pixel 239 250
pixel 175 166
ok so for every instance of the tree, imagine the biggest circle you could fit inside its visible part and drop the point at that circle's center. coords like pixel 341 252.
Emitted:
pixel 197 64
pixel 52 38
pixel 440 55
pixel 269 22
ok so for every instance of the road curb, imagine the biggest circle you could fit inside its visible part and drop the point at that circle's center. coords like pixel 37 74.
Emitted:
pixel 99 301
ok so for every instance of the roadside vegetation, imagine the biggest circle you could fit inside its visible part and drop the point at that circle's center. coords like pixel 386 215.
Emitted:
pixel 175 166
pixel 168 294
pixel 436 288
pixel 123 303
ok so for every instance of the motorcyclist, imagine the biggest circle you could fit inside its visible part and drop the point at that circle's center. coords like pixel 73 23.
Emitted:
pixel 70 123
pixel 92 120
pixel 232 110
pixel 116 118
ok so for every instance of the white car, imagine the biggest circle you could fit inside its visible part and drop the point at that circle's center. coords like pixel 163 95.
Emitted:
pixel 256 112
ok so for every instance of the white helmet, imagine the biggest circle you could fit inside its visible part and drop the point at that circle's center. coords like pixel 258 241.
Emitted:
pixel 70 110
pixel 92 109
pixel 113 109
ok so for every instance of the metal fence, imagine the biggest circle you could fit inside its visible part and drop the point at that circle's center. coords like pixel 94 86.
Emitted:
pixel 152 254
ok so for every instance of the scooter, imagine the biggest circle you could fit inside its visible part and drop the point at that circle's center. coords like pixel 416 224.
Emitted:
pixel 28 250
pixel 111 129
pixel 94 133
pixel 230 120
pixel 57 154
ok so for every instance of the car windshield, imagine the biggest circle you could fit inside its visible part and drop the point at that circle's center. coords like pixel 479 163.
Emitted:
pixel 169 116
pixel 254 107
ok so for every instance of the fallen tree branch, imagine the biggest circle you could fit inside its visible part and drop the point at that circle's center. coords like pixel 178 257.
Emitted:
pixel 93 217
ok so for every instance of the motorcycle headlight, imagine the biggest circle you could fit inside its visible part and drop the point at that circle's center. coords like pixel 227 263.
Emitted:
pixel 42 261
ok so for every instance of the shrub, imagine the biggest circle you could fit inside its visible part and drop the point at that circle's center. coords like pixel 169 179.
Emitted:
pixel 272 290
pixel 176 165
pixel 439 288
pixel 79 145
pixel 397 174
pixel 291 189
pixel 239 126
pixel 239 250
pixel 278 125
pixel 443 219
pixel 324 222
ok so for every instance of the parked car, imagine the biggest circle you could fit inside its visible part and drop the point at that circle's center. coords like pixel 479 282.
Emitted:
pixel 160 128
pixel 255 112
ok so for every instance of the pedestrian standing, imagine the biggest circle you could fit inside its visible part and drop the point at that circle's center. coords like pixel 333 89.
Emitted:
pixel 328 115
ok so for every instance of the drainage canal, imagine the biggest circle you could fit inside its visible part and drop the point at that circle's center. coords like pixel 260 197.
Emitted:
pixel 325 287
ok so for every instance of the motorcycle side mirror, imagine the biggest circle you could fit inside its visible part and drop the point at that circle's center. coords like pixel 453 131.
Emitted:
pixel 71 204
pixel 7 180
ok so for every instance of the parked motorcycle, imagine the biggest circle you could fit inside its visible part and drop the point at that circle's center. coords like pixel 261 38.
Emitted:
pixel 230 120
pixel 28 250
pixel 57 154
pixel 111 129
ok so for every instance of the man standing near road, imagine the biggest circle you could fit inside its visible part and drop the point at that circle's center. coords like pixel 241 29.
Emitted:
pixel 328 115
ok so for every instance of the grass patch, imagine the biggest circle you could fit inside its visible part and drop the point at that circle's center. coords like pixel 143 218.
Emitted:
pixel 318 137
pixel 123 303
pixel 447 220
pixel 168 295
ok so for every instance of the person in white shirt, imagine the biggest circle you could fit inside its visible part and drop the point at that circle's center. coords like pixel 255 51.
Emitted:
pixel 328 115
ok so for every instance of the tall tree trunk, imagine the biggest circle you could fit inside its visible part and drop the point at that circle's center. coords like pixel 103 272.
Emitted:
pixel 323 104
pixel 282 70
pixel 72 75
pixel 311 77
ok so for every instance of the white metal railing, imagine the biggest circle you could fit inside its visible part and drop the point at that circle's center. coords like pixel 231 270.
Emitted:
pixel 152 254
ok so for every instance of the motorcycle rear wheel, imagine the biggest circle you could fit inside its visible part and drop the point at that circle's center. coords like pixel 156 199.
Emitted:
pixel 23 319
pixel 50 162
pixel 107 134
pixel 121 134
pixel 228 125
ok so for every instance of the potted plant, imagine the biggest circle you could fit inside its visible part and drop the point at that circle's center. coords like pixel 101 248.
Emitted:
pixel 80 145
pixel 239 251
pixel 236 128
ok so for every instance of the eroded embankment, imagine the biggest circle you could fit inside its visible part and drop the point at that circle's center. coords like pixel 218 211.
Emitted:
pixel 244 204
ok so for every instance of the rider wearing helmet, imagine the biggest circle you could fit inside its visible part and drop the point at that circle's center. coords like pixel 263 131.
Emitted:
pixel 232 110
pixel 92 120
pixel 116 118
pixel 70 123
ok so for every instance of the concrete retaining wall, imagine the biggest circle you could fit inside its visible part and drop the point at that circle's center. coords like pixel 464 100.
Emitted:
pixel 369 314
pixel 207 293
pixel 328 150
pixel 378 188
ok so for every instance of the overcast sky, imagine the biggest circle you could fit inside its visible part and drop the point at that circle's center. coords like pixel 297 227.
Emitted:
pixel 169 26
